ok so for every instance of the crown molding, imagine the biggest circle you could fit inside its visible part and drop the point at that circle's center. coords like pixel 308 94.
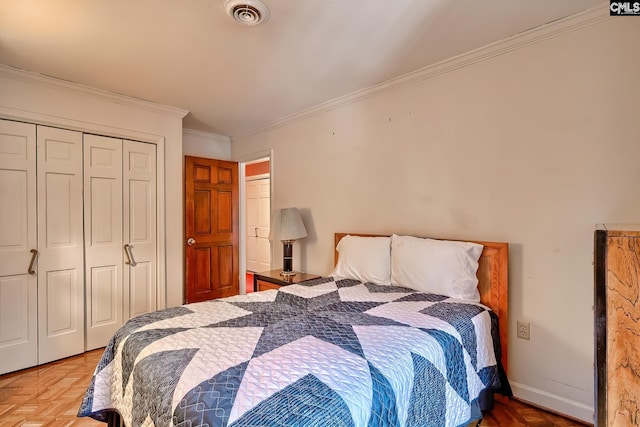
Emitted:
pixel 67 86
pixel 206 134
pixel 518 41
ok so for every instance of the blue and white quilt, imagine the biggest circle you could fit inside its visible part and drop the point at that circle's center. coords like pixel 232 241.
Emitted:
pixel 326 352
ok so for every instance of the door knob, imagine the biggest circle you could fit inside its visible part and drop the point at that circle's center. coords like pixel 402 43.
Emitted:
pixel 191 241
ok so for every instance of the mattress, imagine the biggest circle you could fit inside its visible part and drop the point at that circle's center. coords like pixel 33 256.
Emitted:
pixel 326 352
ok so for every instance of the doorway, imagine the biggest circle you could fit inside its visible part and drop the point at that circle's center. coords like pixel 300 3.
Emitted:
pixel 257 190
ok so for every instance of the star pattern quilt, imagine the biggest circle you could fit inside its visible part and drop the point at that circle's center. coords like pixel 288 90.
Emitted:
pixel 326 352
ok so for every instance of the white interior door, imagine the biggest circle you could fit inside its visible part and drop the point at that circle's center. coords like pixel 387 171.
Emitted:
pixel 264 224
pixel 253 212
pixel 103 238
pixel 60 244
pixel 139 218
pixel 18 289
pixel 258 222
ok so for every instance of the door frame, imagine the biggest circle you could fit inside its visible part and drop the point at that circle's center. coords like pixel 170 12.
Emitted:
pixel 242 177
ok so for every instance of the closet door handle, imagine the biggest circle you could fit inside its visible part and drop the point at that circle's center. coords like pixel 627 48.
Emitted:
pixel 256 231
pixel 34 255
pixel 130 260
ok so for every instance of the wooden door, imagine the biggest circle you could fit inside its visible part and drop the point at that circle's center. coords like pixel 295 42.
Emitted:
pixel 211 229
pixel 60 244
pixel 258 224
pixel 139 221
pixel 104 249
pixel 18 288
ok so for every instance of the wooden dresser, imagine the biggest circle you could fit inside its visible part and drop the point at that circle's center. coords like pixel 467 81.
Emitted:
pixel 617 325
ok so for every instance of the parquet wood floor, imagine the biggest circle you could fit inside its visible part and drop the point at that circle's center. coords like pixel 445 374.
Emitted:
pixel 49 395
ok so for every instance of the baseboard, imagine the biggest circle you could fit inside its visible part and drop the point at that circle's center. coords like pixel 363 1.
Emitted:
pixel 551 401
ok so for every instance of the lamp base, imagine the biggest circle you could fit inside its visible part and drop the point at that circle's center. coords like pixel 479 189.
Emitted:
pixel 287 274
pixel 287 259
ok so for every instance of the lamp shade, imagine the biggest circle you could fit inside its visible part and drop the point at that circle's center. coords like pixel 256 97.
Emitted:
pixel 286 225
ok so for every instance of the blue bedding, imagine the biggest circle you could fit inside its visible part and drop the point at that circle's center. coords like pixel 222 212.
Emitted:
pixel 322 353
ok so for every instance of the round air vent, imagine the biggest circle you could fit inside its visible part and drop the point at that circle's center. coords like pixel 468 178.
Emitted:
pixel 247 12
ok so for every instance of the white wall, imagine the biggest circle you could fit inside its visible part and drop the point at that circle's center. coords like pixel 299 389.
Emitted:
pixel 33 98
pixel 532 146
pixel 207 145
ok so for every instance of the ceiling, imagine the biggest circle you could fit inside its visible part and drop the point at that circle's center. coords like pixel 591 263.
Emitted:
pixel 233 78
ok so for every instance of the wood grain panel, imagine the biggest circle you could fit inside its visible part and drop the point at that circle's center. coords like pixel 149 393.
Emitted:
pixel 225 271
pixel 263 286
pixel 623 330
pixel 225 175
pixel 203 275
pixel 493 283
pixel 225 212
pixel 201 173
pixel 202 206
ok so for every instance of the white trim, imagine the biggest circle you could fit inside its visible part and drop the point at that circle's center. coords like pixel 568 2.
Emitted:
pixel 552 401
pixel 64 85
pixel 271 198
pixel 252 162
pixel 26 116
pixel 223 138
pixel 518 41
pixel 256 177
pixel 256 157
pixel 161 288
pixel 242 244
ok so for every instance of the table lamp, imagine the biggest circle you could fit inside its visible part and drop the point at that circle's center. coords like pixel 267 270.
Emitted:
pixel 287 226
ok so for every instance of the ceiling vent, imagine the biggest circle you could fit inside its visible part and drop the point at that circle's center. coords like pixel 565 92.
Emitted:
pixel 247 12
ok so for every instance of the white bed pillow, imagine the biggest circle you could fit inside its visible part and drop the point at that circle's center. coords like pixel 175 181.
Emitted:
pixel 440 267
pixel 367 259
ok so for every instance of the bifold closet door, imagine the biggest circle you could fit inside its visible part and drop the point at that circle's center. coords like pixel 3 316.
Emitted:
pixel 41 245
pixel 140 225
pixel 60 264
pixel 120 234
pixel 18 288
pixel 103 238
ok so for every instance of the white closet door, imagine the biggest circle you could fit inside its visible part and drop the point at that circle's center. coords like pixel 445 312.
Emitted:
pixel 18 289
pixel 264 224
pixel 139 217
pixel 60 244
pixel 103 238
pixel 253 213
pixel 258 223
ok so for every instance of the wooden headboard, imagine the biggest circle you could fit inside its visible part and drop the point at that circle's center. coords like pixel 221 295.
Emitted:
pixel 493 282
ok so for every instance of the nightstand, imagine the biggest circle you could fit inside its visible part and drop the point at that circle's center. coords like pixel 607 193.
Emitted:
pixel 273 280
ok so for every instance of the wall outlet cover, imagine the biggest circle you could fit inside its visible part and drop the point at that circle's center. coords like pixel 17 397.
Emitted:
pixel 523 330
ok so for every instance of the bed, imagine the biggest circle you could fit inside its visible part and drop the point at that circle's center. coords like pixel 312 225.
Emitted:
pixel 333 351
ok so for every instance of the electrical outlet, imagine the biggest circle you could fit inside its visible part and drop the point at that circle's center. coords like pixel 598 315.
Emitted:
pixel 523 330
